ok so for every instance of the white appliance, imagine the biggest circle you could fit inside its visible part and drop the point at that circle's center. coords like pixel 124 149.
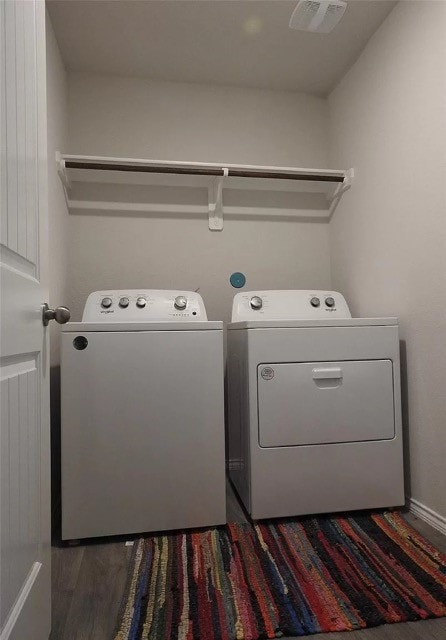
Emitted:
pixel 314 405
pixel 142 415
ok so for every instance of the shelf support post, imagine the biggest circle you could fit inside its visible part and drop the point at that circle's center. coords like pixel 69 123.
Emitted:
pixel 215 193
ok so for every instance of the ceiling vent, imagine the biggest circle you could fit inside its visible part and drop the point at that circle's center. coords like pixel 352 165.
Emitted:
pixel 318 16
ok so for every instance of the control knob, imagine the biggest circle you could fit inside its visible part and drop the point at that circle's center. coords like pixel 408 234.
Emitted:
pixel 330 302
pixel 124 303
pixel 315 302
pixel 180 303
pixel 141 302
pixel 106 303
pixel 256 302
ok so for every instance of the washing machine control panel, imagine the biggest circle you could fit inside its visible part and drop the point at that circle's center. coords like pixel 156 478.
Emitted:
pixel 289 305
pixel 143 305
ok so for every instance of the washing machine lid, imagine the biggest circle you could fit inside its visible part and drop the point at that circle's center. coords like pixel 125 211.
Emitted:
pixel 294 324
pixel 85 327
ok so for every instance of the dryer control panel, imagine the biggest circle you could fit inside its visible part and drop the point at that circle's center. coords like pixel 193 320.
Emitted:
pixel 299 304
pixel 143 305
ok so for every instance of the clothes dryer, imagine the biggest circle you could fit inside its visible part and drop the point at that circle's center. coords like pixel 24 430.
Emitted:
pixel 314 405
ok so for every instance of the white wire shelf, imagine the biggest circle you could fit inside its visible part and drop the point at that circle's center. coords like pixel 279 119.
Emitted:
pixel 95 184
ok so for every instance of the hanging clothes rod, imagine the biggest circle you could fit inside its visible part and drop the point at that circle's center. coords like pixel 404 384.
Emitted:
pixel 203 171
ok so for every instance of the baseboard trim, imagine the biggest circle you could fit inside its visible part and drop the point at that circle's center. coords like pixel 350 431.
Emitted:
pixel 428 515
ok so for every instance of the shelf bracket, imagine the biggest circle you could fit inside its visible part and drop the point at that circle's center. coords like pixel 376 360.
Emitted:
pixel 341 188
pixel 61 170
pixel 215 194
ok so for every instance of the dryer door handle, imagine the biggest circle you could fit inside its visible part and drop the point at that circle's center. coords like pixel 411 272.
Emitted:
pixel 325 374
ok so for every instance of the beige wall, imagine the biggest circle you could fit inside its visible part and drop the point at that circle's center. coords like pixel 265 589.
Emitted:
pixel 388 236
pixel 137 118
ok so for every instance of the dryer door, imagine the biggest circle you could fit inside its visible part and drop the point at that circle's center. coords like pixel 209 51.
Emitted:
pixel 309 403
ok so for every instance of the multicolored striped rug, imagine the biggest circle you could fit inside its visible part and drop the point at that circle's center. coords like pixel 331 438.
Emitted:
pixel 282 578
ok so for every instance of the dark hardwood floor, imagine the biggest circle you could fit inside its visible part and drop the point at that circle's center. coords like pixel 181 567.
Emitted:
pixel 89 580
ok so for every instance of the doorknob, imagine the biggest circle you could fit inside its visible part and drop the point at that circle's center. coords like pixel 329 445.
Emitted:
pixel 59 314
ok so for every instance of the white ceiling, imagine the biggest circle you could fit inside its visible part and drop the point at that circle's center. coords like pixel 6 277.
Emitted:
pixel 234 42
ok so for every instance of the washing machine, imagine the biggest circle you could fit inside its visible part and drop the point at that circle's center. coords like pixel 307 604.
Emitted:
pixel 142 415
pixel 314 405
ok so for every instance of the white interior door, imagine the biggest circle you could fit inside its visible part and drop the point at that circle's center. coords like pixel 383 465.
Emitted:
pixel 24 436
